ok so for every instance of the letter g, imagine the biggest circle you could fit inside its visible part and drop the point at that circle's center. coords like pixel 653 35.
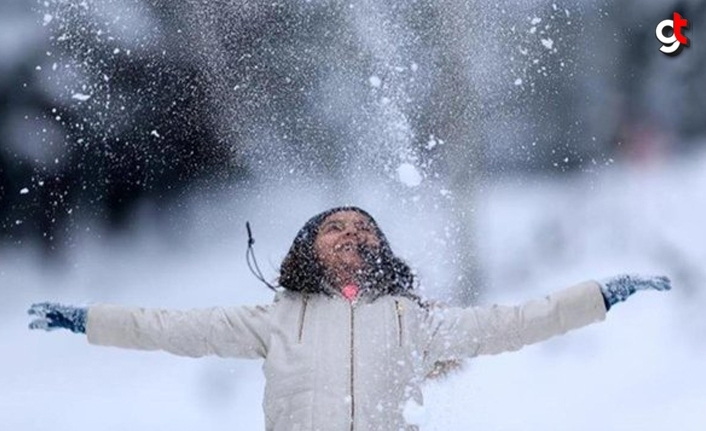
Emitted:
pixel 669 43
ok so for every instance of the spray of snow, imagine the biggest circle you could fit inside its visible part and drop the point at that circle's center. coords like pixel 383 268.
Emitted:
pixel 80 97
pixel 409 175
pixel 415 413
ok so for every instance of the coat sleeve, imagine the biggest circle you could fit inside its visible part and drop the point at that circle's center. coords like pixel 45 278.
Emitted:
pixel 457 333
pixel 228 332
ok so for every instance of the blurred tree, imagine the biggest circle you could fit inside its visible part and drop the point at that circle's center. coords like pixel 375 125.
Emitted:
pixel 658 97
pixel 124 121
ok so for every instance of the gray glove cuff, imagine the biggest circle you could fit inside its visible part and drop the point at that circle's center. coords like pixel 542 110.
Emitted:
pixel 77 318
pixel 617 289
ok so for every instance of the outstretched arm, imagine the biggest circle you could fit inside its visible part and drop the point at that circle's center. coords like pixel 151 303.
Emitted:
pixel 233 332
pixel 465 332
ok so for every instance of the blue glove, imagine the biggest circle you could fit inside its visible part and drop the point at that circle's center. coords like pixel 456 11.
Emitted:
pixel 618 288
pixel 51 316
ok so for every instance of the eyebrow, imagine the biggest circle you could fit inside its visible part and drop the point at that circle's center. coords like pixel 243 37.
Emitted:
pixel 341 222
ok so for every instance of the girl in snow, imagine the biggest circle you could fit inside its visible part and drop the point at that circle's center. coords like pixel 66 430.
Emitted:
pixel 347 341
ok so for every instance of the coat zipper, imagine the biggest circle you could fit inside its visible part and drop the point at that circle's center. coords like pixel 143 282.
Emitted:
pixel 352 368
pixel 398 309
pixel 301 318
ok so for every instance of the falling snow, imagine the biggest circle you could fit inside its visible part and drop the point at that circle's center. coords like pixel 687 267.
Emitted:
pixel 432 143
pixel 409 175
pixel 415 413
pixel 397 87
pixel 80 97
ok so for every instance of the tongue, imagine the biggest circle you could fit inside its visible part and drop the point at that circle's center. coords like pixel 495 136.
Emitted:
pixel 350 291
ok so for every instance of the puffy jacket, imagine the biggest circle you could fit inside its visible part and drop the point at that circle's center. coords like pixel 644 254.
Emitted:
pixel 335 365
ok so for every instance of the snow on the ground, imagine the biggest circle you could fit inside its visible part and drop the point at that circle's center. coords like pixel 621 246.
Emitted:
pixel 641 369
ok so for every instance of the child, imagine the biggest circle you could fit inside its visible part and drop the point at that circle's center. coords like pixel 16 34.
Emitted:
pixel 347 342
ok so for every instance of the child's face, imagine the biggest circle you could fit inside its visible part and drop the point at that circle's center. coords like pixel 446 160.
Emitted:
pixel 339 239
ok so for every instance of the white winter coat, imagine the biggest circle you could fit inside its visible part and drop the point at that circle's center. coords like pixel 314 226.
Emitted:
pixel 333 365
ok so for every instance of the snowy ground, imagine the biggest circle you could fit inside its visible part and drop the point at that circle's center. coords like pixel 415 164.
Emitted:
pixel 642 369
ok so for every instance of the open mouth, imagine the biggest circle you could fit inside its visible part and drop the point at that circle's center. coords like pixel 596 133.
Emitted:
pixel 346 246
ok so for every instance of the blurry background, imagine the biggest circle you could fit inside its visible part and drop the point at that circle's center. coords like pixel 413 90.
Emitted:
pixel 507 148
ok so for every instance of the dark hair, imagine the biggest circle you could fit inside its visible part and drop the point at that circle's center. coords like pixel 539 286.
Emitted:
pixel 301 270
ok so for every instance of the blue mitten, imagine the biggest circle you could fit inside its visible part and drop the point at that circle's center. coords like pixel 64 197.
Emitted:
pixel 50 316
pixel 618 288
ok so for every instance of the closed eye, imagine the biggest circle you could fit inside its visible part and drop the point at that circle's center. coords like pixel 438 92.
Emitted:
pixel 365 227
pixel 333 226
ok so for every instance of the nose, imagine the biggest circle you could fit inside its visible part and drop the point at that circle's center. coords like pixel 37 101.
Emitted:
pixel 351 230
